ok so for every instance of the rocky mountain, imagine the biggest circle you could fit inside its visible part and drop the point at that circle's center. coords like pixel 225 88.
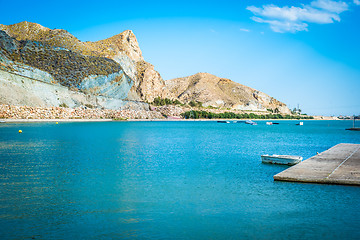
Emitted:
pixel 50 67
pixel 213 91
pixel 112 69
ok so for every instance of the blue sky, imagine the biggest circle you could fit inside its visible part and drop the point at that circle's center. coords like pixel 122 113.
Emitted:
pixel 300 52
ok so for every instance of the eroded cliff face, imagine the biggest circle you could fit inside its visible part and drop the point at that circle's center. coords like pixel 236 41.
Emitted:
pixel 24 91
pixel 95 75
pixel 151 84
pixel 220 92
pixel 108 67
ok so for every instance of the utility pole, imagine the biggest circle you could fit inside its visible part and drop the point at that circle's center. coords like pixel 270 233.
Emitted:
pixel 354 122
pixel 353 128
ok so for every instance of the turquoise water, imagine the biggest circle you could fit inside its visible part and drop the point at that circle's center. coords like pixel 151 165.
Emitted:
pixel 168 180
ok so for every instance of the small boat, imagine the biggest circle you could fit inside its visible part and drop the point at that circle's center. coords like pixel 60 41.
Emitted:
pixel 223 121
pixel 2 121
pixel 281 159
pixel 300 124
pixel 239 121
pixel 269 123
pixel 250 122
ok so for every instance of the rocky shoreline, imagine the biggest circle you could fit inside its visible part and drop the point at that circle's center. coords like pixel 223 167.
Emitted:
pixel 26 112
pixel 167 112
pixel 49 113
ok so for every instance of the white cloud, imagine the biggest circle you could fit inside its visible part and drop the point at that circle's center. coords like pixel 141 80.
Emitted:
pixel 331 6
pixel 295 14
pixel 244 30
pixel 357 2
pixel 293 19
pixel 283 26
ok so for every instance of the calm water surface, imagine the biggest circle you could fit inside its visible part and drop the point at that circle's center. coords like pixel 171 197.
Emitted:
pixel 168 180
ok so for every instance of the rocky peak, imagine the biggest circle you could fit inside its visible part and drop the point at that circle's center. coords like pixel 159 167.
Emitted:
pixel 24 30
pixel 124 42
pixel 221 92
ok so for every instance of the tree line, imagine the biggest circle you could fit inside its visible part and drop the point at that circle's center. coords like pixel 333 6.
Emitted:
pixel 193 114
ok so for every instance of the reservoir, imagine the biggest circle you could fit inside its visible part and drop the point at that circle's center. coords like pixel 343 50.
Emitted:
pixel 169 180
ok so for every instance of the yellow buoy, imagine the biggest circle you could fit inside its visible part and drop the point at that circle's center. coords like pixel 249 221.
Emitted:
pixel 57 123
pixel 20 131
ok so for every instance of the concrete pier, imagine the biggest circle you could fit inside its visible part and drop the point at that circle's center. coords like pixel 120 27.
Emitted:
pixel 338 165
pixel 353 129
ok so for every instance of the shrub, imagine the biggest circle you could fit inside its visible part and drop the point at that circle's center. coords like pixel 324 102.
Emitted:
pixel 165 101
pixel 192 103
pixel 89 106
pixel 63 105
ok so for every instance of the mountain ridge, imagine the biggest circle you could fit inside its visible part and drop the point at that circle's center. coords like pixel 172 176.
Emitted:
pixel 114 68
pixel 214 91
pixel 61 38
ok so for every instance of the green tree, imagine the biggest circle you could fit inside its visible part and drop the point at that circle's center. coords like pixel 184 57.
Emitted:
pixel 192 103
pixel 176 102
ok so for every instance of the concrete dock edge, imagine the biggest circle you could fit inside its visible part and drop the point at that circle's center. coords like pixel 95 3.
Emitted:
pixel 337 165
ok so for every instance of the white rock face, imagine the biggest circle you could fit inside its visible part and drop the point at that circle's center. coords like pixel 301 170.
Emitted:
pixel 127 64
pixel 19 91
pixel 116 85
pixel 34 73
pixel 251 106
pixel 220 102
